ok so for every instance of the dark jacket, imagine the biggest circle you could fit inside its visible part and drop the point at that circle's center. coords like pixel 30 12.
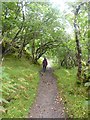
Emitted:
pixel 45 63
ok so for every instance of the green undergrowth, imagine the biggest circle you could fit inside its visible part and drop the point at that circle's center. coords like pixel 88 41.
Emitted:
pixel 74 96
pixel 19 86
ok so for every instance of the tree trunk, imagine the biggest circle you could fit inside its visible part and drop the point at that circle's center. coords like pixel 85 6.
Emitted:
pixel 79 52
pixel 89 30
pixel 21 50
pixel 79 56
pixel 33 50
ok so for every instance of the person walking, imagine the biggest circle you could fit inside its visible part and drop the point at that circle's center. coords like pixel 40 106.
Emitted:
pixel 45 63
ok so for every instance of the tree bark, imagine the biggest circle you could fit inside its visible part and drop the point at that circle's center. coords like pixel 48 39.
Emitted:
pixel 79 55
pixel 89 30
pixel 33 50
pixel 79 52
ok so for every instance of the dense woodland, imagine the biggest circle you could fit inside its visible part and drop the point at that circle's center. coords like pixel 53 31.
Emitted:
pixel 34 29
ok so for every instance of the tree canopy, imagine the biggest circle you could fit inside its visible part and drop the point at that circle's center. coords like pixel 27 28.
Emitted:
pixel 38 28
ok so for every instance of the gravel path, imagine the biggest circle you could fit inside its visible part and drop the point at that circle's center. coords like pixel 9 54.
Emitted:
pixel 47 104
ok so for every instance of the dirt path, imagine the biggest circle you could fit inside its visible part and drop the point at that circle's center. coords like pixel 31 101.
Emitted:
pixel 47 104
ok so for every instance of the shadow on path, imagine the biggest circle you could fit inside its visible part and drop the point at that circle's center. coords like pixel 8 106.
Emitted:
pixel 48 104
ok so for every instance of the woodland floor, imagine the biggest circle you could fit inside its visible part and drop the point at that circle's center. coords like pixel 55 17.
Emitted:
pixel 48 103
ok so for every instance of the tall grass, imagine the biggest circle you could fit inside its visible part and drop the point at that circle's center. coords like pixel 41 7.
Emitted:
pixel 74 96
pixel 20 83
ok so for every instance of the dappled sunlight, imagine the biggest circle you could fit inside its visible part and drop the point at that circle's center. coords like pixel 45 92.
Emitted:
pixel 61 4
pixel 50 63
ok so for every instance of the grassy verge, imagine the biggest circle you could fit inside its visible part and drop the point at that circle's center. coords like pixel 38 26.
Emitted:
pixel 20 83
pixel 74 96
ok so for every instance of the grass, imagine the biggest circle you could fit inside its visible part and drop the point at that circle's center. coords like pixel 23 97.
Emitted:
pixel 20 83
pixel 74 96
